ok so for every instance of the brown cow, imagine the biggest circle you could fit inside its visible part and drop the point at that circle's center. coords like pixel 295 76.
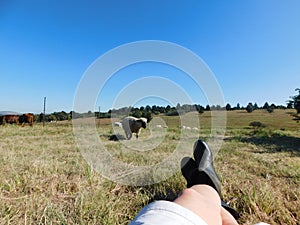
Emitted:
pixel 26 118
pixel 9 119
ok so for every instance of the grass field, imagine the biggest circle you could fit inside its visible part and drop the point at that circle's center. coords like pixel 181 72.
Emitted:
pixel 45 180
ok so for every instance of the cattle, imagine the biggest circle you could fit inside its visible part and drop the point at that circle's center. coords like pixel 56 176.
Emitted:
pixel 9 119
pixel 161 126
pixel 131 125
pixel 17 119
pixel 26 118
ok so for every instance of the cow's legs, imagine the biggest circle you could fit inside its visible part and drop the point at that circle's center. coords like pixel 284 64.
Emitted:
pixel 129 135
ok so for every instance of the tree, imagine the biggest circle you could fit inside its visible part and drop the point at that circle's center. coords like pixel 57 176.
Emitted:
pixel 199 108
pixel 136 113
pixel 228 107
pixel 249 107
pixel 40 118
pixel 266 106
pixel 218 107
pixel 147 115
pixel 168 108
pixel 148 108
pixel 66 116
pixel 172 112
pixel 289 105
pixel 295 102
pixel 271 108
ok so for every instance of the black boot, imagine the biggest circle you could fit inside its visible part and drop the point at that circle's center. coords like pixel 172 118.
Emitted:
pixel 202 171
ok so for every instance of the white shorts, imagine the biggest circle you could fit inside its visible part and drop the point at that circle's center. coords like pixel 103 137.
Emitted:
pixel 166 213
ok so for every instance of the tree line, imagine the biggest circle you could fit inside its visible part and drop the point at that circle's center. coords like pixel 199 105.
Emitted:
pixel 148 111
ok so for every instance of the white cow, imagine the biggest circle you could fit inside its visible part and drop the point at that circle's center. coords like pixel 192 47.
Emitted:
pixel 131 125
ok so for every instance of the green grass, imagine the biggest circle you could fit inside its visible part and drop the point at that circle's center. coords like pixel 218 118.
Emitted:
pixel 45 180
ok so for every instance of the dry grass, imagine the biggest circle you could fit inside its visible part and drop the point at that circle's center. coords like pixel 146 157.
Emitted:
pixel 45 180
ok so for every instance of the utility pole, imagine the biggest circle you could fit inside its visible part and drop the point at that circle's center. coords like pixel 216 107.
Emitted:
pixel 99 113
pixel 44 113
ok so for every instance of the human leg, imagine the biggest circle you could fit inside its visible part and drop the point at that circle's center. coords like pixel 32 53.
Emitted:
pixel 200 203
pixel 200 170
pixel 204 201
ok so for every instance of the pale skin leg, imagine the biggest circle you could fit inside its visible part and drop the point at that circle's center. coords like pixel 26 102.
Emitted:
pixel 204 201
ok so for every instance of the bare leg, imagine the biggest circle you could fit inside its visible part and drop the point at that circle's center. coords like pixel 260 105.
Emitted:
pixel 200 170
pixel 204 201
pixel 227 218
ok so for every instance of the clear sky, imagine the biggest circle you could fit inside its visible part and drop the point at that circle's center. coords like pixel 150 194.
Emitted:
pixel 251 46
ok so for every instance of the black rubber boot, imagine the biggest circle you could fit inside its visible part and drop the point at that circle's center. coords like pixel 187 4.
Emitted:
pixel 202 171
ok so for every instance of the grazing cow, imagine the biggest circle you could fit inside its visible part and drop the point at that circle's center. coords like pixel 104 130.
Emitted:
pixel 9 119
pixel 131 125
pixel 26 118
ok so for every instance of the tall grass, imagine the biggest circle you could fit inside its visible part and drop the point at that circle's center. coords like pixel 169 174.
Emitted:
pixel 45 180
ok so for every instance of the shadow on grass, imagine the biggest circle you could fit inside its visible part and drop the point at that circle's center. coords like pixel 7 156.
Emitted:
pixel 296 116
pixel 273 143
pixel 167 191
pixel 116 137
pixel 167 195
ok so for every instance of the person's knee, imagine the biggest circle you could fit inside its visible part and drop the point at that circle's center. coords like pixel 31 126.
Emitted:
pixel 202 200
pixel 187 195
pixel 207 191
pixel 201 191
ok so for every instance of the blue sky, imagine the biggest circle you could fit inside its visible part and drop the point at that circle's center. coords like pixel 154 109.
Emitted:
pixel 252 47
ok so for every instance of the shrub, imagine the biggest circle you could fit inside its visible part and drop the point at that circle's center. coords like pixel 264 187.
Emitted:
pixel 257 124
pixel 172 113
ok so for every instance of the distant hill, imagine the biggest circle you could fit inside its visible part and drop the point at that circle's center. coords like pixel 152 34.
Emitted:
pixel 9 113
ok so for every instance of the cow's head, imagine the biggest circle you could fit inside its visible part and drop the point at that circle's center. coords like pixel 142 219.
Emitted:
pixel 144 124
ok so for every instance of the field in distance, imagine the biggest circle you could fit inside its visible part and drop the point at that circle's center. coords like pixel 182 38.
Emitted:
pixel 45 180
